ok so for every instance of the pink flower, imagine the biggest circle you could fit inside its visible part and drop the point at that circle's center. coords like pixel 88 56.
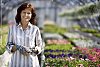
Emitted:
pixel 80 65
pixel 98 65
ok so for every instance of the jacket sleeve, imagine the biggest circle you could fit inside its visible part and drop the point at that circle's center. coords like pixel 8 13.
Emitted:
pixel 10 44
pixel 39 43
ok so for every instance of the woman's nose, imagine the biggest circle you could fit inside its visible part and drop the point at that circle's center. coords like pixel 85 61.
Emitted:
pixel 26 14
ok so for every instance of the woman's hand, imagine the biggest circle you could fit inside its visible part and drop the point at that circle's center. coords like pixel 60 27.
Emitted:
pixel 24 50
pixel 35 51
pixel 13 49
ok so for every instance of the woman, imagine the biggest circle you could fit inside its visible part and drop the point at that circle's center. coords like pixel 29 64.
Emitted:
pixel 22 37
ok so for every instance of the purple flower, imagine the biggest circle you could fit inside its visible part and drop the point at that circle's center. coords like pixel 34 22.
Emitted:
pixel 51 50
pixel 63 55
pixel 63 50
pixel 80 56
pixel 53 56
pixel 69 55
pixel 85 57
pixel 57 50
pixel 46 50
pixel 50 55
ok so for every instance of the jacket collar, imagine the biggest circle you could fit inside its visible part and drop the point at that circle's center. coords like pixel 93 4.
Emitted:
pixel 20 26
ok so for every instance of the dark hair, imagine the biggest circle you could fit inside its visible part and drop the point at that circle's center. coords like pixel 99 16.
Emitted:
pixel 23 7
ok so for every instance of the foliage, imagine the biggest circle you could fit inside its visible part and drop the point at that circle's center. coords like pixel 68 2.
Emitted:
pixel 72 58
pixel 3 39
pixel 89 30
pixel 97 35
pixel 76 27
pixel 88 10
pixel 92 31
pixel 61 46
pixel 2 45
pixel 54 29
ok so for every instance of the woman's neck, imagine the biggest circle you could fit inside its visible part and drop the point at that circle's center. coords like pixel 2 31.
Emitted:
pixel 24 25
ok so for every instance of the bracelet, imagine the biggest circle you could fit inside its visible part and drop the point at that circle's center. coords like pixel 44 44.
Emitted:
pixel 10 43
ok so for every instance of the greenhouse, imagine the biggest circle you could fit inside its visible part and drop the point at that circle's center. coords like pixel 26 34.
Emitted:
pixel 70 30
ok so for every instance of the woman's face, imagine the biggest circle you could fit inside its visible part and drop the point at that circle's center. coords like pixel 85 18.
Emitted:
pixel 26 15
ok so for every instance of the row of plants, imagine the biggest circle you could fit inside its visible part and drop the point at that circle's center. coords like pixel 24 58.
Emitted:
pixel 60 46
pixel 81 41
pixel 97 35
pixel 85 11
pixel 94 32
pixel 59 41
pixel 75 57
pixel 89 30
pixel 51 28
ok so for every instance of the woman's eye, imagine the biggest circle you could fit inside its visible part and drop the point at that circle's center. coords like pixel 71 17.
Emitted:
pixel 24 12
pixel 28 13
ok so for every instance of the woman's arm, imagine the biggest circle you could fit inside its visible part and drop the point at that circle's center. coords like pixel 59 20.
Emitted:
pixel 10 45
pixel 38 41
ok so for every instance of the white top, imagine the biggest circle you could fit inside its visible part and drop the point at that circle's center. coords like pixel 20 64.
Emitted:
pixel 26 38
